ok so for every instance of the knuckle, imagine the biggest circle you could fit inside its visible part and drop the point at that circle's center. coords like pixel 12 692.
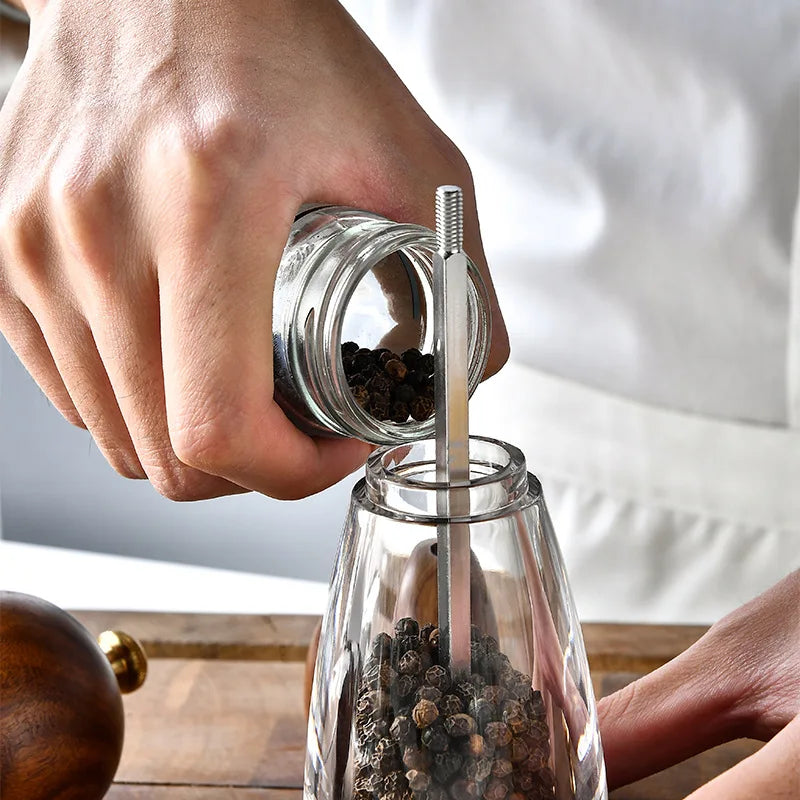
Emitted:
pixel 208 445
pixel 205 155
pixel 82 202
pixel 22 241
pixel 79 195
pixel 183 485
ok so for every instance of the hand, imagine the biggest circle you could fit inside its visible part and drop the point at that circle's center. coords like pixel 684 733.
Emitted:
pixel 152 158
pixel 742 679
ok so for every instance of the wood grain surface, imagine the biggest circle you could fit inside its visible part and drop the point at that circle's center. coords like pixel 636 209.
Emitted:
pixel 611 647
pixel 221 714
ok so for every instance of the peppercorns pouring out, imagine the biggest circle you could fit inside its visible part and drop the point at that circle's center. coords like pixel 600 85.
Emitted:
pixel 390 386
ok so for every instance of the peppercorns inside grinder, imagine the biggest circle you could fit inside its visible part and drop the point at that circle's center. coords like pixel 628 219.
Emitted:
pixel 422 735
pixel 390 386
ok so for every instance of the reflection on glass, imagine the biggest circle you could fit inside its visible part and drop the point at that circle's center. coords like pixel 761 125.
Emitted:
pixel 388 721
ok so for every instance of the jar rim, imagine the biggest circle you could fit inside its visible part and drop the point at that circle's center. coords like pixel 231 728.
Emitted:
pixel 388 237
pixel 400 480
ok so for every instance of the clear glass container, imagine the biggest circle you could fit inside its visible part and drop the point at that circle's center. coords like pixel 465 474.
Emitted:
pixel 386 721
pixel 349 275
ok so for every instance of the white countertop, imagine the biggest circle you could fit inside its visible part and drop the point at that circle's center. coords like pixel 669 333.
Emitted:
pixel 75 579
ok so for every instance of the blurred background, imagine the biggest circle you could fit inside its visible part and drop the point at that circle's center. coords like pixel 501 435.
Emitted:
pixel 57 489
pixel 637 172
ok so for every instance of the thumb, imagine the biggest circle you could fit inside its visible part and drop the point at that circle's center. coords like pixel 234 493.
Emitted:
pixel 773 773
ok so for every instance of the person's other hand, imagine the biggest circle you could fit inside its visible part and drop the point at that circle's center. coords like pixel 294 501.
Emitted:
pixel 742 679
pixel 152 158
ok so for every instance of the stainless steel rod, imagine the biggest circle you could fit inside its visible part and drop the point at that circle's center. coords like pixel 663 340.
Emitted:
pixel 452 427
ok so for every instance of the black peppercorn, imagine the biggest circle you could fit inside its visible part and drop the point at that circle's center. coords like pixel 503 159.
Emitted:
pixel 460 725
pixel 425 713
pixel 496 790
pixel 445 765
pixel 502 768
pixel 476 746
pixel 427 722
pixel 403 393
pixel 515 717
pixel 478 769
pixel 395 781
pixel 425 632
pixel 407 626
pixel 451 704
pixel 438 677
pixel 494 694
pixel 385 356
pixel 403 731
pixel 397 794
pixel 464 789
pixel 418 781
pixel 411 357
pixel 378 406
pixel 428 693
pixel 380 383
pixel 519 751
pixel 361 395
pixel 416 379
pixel 436 739
pixel 349 348
pixel 399 412
pixel 497 734
pixel 396 369
pixel 436 792
pixel 404 644
pixel 421 408
pixel 376 675
pixel 406 685
pixel 482 710
pixel 416 758
pixel 361 360
pixel 358 379
pixel 410 663
pixel 523 781
pixel 426 364
pixel 478 681
pixel 384 758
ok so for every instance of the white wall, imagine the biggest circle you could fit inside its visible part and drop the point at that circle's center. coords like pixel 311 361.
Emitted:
pixel 56 489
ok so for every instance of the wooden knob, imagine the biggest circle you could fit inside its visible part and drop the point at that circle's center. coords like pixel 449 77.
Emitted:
pixel 62 719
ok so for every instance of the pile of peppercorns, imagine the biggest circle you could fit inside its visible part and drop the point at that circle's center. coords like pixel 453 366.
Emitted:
pixel 423 736
pixel 390 386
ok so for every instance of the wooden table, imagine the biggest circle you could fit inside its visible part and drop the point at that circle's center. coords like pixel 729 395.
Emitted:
pixel 221 713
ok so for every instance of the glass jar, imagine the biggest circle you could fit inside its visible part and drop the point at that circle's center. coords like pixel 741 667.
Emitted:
pixel 349 275
pixel 387 722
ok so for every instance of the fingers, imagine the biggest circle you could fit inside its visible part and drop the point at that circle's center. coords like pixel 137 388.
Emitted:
pixel 741 679
pixel 26 340
pixel 671 714
pixel 72 345
pixel 773 773
pixel 216 327
pixel 128 340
